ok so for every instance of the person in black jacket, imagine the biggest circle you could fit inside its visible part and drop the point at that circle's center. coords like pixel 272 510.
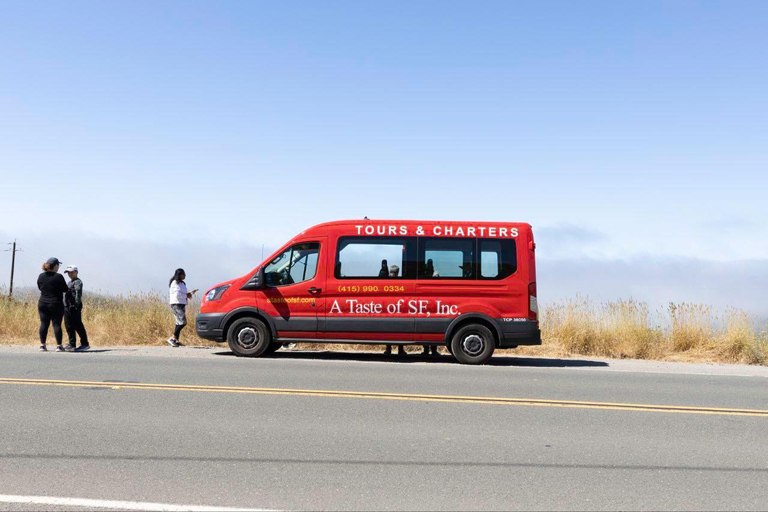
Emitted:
pixel 51 304
pixel 73 312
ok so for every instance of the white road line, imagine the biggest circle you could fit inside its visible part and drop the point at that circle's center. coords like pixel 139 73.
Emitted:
pixel 117 505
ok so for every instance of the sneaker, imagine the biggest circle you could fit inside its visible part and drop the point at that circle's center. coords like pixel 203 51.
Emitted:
pixel 172 342
pixel 59 348
pixel 69 348
pixel 43 348
pixel 179 344
pixel 83 348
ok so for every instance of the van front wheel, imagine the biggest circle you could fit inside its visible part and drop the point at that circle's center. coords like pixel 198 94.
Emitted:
pixel 473 344
pixel 248 337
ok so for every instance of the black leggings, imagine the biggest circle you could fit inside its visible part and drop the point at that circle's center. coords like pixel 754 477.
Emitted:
pixel 177 331
pixel 50 313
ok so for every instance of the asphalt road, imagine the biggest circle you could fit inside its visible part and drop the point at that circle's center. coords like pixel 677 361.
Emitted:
pixel 317 431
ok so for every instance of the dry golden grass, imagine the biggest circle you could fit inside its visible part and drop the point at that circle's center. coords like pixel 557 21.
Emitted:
pixel 627 329
pixel 133 319
pixel 618 329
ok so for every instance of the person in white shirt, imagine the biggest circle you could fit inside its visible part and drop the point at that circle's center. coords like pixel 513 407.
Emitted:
pixel 178 297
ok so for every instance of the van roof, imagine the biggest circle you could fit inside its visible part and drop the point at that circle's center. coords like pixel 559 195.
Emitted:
pixel 523 227
pixel 358 222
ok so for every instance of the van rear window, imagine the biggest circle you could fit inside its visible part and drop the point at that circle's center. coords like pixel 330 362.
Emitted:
pixel 498 258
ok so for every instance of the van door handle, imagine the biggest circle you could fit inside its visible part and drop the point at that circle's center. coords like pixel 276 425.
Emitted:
pixel 314 290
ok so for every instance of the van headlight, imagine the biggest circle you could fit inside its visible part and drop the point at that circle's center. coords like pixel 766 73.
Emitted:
pixel 216 293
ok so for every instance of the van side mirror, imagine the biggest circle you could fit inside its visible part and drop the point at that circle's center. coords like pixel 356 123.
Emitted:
pixel 256 281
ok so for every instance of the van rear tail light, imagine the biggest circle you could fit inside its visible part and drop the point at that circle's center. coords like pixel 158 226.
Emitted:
pixel 533 303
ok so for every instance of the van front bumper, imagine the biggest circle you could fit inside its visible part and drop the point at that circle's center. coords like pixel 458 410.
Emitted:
pixel 210 326
pixel 519 333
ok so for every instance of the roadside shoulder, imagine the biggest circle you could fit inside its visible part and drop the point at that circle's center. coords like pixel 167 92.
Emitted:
pixel 352 357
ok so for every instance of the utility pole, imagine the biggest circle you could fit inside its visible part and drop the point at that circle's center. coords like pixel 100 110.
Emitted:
pixel 13 266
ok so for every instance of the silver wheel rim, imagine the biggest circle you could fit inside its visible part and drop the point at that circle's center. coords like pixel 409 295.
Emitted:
pixel 473 345
pixel 248 337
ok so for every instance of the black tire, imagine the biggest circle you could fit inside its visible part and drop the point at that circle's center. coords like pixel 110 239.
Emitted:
pixel 248 337
pixel 273 347
pixel 473 344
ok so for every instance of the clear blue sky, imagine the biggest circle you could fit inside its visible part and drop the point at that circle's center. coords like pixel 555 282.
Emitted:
pixel 623 131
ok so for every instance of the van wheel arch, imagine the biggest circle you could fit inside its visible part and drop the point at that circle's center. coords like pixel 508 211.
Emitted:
pixel 473 318
pixel 249 337
pixel 251 313
pixel 473 343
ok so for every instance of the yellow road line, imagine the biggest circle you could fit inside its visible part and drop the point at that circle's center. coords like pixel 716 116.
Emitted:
pixel 534 402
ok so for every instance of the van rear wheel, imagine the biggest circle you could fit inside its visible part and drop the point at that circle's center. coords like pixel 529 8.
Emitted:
pixel 473 344
pixel 248 337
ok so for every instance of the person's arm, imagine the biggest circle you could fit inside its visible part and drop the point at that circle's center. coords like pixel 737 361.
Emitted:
pixel 39 284
pixel 78 292
pixel 61 283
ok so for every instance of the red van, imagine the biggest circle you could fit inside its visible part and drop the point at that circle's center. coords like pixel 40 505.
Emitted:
pixel 470 286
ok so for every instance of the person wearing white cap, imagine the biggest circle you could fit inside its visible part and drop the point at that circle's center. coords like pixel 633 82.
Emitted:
pixel 73 312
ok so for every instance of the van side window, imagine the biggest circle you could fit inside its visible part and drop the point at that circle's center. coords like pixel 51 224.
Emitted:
pixel 296 264
pixel 374 258
pixel 441 258
pixel 498 258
